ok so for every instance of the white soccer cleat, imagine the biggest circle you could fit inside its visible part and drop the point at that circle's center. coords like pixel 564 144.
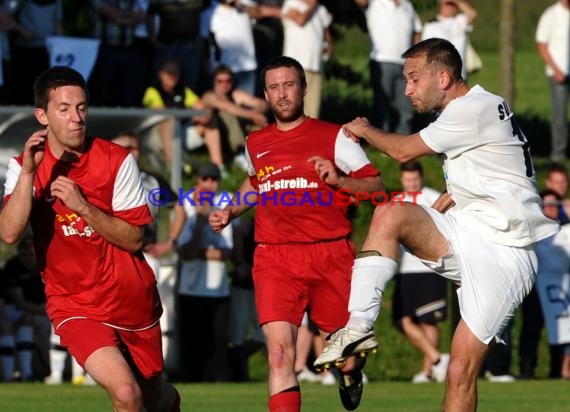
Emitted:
pixel 499 378
pixel 421 377
pixel 439 371
pixel 53 380
pixel 307 376
pixel 328 379
pixel 345 343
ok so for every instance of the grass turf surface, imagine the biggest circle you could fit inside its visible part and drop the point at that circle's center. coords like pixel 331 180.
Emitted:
pixel 521 396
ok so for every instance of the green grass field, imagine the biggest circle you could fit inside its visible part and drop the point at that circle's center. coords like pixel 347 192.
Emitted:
pixel 527 396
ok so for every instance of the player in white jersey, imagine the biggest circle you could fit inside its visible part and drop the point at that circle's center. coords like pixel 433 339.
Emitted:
pixel 484 241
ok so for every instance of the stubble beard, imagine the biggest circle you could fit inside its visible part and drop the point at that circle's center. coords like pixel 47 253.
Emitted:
pixel 286 117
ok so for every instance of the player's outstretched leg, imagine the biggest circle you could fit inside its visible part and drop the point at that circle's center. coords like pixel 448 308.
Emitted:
pixel 345 343
pixel 370 274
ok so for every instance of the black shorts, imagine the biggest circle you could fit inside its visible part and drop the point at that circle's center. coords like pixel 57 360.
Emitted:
pixel 421 296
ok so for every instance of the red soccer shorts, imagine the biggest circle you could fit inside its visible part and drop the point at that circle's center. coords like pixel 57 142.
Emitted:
pixel 82 337
pixel 292 279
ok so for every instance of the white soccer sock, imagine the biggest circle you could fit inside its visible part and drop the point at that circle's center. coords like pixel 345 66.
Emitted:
pixel 57 356
pixel 25 344
pixel 76 369
pixel 7 346
pixel 369 277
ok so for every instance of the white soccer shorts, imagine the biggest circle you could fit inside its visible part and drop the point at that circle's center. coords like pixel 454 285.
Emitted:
pixel 493 278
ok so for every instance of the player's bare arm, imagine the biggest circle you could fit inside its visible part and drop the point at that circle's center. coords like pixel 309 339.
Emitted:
pixel 160 249
pixel 16 212
pixel 219 219
pixel 467 9
pixel 558 75
pixel 399 147
pixel 328 173
pixel 302 17
pixel 112 229
pixel 214 101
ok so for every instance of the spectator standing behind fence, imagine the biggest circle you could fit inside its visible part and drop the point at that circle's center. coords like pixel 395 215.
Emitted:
pixel 170 92
pixel 203 287
pixel 553 284
pixel 267 32
pixel 29 54
pixel 8 26
pixel 306 28
pixel 393 26
pixel 554 48
pixel 420 295
pixel 178 36
pixel 118 74
pixel 231 36
pixel 453 22
pixel 143 46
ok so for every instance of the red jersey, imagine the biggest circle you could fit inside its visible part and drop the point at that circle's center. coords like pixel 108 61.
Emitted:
pixel 294 205
pixel 85 275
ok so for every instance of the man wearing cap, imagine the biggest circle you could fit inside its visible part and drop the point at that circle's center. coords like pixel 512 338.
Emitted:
pixel 203 286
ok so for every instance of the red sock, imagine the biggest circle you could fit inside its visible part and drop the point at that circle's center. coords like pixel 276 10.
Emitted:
pixel 285 402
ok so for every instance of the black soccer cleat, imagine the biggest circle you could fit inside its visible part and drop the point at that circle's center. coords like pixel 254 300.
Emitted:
pixel 350 388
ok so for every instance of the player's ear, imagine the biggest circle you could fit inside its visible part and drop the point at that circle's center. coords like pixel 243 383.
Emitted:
pixel 41 116
pixel 445 79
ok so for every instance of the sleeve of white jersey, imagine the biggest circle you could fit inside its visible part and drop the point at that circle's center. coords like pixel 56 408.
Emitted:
pixel 325 16
pixel 250 169
pixel 463 22
pixel 12 175
pixel 348 155
pixel 454 131
pixel 543 29
pixel 128 192
pixel 417 23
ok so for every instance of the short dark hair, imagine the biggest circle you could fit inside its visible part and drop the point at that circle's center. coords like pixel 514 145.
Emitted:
pixel 439 53
pixel 222 69
pixel 52 78
pixel 284 61
pixel 550 192
pixel 557 168
pixel 412 166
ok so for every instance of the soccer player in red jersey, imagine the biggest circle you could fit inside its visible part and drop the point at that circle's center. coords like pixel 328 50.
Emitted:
pixel 84 200
pixel 304 252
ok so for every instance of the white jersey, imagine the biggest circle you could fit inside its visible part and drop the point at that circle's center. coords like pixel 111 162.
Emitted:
pixel 408 262
pixel 488 169
pixel 391 28
pixel 552 29
pixel 305 43
pixel 234 36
